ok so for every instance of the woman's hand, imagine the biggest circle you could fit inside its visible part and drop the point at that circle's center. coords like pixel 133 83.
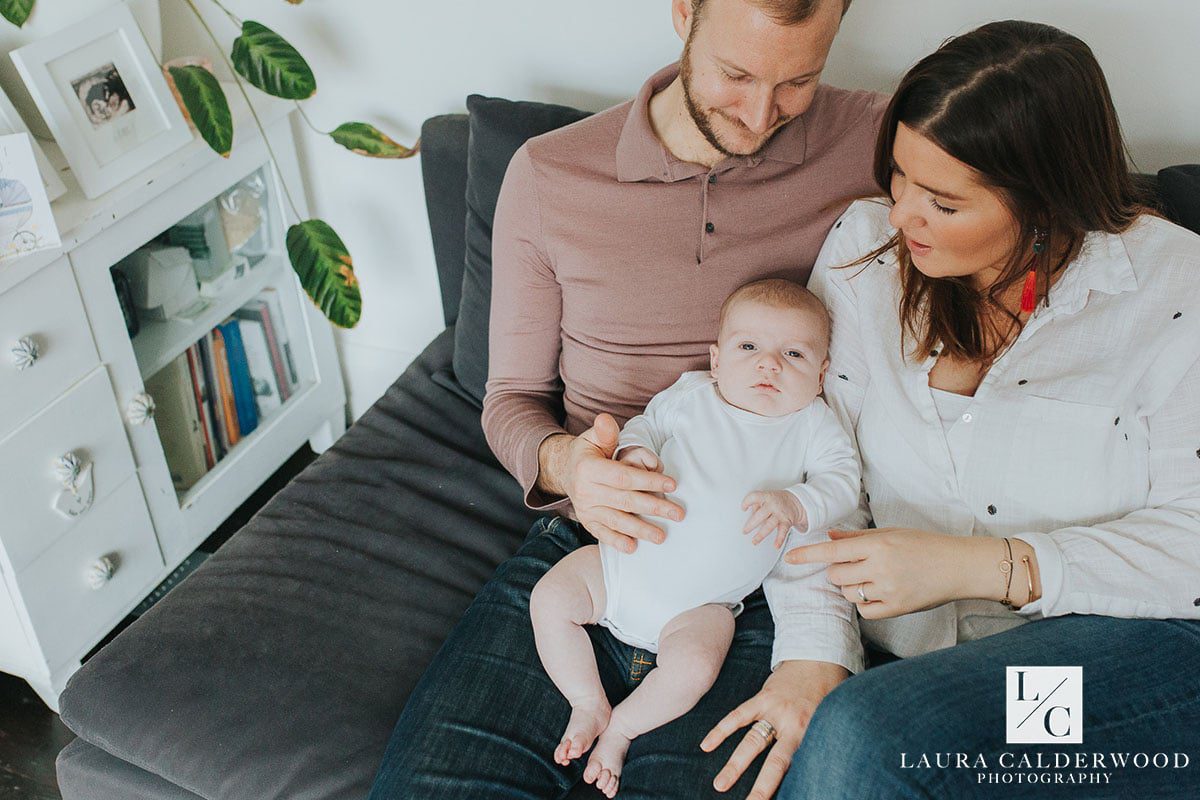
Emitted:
pixel 900 570
pixel 787 701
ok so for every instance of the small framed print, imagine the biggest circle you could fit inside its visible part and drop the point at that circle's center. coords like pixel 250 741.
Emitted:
pixel 11 122
pixel 104 98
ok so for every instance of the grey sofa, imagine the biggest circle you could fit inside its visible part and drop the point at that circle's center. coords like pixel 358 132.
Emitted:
pixel 279 668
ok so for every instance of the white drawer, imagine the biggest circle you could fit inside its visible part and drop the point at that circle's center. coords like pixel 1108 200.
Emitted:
pixel 46 308
pixel 84 421
pixel 69 607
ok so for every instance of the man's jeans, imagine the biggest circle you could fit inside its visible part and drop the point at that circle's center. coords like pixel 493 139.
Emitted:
pixel 484 720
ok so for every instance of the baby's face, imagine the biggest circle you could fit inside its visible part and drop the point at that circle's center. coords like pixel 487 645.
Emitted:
pixel 768 360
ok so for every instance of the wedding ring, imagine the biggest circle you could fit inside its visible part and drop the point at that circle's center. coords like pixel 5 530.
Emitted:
pixel 862 594
pixel 764 729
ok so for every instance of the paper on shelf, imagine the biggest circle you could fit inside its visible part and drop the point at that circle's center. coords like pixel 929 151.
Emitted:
pixel 26 221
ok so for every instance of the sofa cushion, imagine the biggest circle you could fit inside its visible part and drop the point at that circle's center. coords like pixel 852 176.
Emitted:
pixel 278 669
pixel 1179 191
pixel 498 129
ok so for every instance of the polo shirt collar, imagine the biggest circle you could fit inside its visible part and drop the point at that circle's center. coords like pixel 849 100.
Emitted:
pixel 641 156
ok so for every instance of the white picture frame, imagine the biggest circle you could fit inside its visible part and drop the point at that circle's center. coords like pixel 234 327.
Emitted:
pixel 11 122
pixel 104 98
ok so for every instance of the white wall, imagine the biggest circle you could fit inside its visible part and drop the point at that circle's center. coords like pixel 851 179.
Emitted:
pixel 396 62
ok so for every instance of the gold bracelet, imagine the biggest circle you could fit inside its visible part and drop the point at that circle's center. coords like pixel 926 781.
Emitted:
pixel 1028 576
pixel 1006 566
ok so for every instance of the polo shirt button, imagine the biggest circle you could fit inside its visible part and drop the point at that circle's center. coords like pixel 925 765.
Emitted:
pixel 967 417
pixel 709 227
pixel 712 178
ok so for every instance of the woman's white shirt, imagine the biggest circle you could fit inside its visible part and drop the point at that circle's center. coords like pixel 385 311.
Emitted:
pixel 1083 438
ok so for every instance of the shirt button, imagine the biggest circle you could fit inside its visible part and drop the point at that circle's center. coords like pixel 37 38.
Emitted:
pixel 967 417
pixel 712 178
pixel 709 227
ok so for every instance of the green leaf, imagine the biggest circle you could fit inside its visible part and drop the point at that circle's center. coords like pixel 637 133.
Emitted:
pixel 367 140
pixel 326 271
pixel 264 58
pixel 16 11
pixel 206 104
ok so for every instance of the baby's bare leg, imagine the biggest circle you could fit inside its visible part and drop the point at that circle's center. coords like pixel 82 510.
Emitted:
pixel 691 650
pixel 569 596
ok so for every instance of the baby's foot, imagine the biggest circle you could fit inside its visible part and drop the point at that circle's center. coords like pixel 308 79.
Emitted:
pixel 604 765
pixel 585 725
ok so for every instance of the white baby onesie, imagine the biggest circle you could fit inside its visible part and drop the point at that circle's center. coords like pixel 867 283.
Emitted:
pixel 718 453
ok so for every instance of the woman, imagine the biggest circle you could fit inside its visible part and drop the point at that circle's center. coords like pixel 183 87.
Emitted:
pixel 1018 355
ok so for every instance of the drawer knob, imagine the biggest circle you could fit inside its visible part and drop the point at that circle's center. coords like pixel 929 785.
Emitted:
pixel 101 571
pixel 26 353
pixel 67 469
pixel 140 409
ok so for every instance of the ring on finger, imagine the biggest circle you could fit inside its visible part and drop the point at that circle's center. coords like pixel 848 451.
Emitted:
pixel 764 729
pixel 862 594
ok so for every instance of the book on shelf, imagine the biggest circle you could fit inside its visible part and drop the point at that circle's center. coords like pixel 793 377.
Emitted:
pixel 225 388
pixel 270 296
pixel 200 391
pixel 178 420
pixel 263 380
pixel 239 374
pixel 215 407
pixel 259 312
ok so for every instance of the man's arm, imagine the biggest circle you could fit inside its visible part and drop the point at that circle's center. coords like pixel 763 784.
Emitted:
pixel 524 387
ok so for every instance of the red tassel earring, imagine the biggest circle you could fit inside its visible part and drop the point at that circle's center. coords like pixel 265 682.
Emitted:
pixel 1029 292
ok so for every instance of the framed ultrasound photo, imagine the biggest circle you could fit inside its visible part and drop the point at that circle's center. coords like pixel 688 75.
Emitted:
pixel 104 98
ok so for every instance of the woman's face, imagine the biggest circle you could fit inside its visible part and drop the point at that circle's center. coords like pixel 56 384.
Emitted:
pixel 953 225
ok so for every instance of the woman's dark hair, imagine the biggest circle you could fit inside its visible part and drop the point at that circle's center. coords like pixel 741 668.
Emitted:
pixel 1027 107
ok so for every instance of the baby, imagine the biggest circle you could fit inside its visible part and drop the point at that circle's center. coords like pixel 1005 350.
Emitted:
pixel 753 450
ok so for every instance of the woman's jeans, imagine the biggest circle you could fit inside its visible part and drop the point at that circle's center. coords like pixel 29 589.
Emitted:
pixel 484 720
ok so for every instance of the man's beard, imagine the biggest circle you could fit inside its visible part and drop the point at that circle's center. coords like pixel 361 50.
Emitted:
pixel 702 119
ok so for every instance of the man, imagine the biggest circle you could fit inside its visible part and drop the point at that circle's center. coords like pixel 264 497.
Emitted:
pixel 616 240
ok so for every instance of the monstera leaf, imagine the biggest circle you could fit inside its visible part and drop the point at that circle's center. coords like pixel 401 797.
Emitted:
pixel 16 11
pixel 367 140
pixel 263 57
pixel 206 105
pixel 326 271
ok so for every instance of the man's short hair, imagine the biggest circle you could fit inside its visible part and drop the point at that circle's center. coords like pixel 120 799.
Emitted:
pixel 785 12
pixel 778 293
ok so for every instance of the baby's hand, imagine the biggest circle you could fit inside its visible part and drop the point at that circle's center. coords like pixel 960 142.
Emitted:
pixel 640 457
pixel 773 512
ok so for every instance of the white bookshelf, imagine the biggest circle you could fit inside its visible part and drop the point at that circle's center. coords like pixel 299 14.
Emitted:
pixel 161 341
pixel 77 397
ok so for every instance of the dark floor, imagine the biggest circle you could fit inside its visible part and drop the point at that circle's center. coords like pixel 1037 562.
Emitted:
pixel 31 735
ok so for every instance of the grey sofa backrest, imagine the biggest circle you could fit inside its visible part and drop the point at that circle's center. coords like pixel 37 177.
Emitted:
pixel 444 171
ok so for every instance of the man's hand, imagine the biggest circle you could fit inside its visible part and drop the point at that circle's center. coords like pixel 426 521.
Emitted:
pixel 774 512
pixel 787 701
pixel 607 494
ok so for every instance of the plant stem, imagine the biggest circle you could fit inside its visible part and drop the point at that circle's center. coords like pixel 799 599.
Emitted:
pixel 228 13
pixel 237 80
pixel 309 121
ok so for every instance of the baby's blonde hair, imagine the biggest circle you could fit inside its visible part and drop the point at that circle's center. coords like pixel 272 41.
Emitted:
pixel 778 293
